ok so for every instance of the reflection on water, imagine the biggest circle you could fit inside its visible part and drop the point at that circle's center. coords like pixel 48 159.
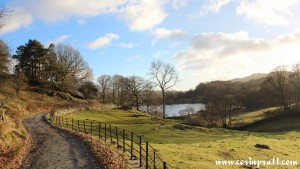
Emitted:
pixel 174 109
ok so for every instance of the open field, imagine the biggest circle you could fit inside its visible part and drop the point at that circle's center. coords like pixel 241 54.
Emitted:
pixel 197 147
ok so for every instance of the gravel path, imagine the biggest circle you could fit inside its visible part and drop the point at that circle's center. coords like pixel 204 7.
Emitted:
pixel 54 148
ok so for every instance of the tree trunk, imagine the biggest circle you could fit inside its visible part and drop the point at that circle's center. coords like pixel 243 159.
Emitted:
pixel 103 97
pixel 297 101
pixel 164 104
pixel 137 103
pixel 113 96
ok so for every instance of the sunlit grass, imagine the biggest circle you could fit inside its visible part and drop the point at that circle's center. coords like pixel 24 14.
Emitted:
pixel 253 116
pixel 200 147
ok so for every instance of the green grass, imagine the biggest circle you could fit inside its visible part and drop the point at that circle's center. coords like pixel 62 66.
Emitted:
pixel 199 147
pixel 253 116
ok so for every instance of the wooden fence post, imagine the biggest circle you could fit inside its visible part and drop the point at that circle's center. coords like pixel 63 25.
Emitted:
pixel 105 131
pixel 140 137
pixel 91 131
pixel 84 127
pixel 165 165
pixel 110 133
pixel 131 146
pixel 147 155
pixel 154 154
pixel 99 132
pixel 124 141
pixel 117 137
pixel 67 123
pixel 78 125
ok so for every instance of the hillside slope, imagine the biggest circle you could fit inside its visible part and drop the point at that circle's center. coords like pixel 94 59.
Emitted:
pixel 282 122
pixel 13 136
pixel 250 77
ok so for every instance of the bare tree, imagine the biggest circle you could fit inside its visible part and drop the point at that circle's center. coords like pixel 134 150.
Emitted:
pixel 137 86
pixel 4 59
pixel 295 81
pixel 227 113
pixel 151 97
pixel 187 111
pixel 190 110
pixel 104 84
pixel 276 84
pixel 72 70
pixel 220 112
pixel 210 115
pixel 3 14
pixel 166 77
pixel 88 89
pixel 119 90
pixel 19 80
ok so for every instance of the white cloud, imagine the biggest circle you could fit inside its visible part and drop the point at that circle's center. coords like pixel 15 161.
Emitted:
pixel 136 58
pixel 179 3
pixel 17 19
pixel 126 45
pixel 160 53
pixel 271 12
pixel 140 15
pixel 26 11
pixel 102 41
pixel 143 14
pixel 163 33
pixel 209 6
pixel 59 39
pixel 222 56
pixel 213 6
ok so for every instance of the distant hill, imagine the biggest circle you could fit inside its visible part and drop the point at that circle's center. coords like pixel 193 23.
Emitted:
pixel 255 76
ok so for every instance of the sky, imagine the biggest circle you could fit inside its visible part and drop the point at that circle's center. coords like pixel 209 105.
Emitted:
pixel 204 40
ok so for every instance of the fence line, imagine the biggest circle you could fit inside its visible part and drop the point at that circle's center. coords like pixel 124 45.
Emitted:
pixel 127 141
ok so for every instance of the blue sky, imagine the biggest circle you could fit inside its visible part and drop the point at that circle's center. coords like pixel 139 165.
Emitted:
pixel 204 39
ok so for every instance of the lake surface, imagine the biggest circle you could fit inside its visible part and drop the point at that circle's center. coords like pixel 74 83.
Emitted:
pixel 174 109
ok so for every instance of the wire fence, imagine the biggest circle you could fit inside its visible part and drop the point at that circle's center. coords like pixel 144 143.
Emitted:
pixel 127 141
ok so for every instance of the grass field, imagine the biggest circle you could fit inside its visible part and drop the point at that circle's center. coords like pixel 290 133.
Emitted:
pixel 250 117
pixel 197 147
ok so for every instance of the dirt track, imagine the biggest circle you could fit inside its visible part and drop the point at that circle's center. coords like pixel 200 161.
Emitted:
pixel 54 148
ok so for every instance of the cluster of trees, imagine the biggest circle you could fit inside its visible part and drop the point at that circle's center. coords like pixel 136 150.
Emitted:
pixel 59 67
pixel 134 91
pixel 124 91
pixel 282 87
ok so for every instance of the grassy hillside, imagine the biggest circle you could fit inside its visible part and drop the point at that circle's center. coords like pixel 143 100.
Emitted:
pixel 197 147
pixel 250 117
pixel 283 122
